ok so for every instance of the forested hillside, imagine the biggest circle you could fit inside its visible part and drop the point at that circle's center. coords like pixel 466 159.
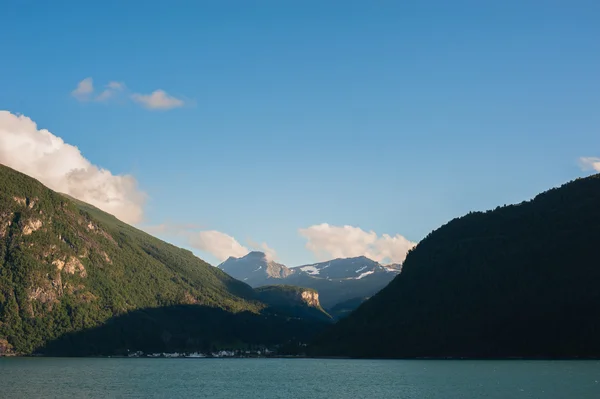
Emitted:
pixel 519 281
pixel 68 267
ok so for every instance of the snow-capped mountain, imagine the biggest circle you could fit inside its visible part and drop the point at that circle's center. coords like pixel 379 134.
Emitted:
pixel 255 269
pixel 349 268
pixel 337 280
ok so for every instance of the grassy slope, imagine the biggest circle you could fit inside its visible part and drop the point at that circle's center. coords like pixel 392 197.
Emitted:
pixel 66 266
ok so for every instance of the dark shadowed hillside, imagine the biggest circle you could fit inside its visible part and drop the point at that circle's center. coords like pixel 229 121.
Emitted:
pixel 291 300
pixel 66 267
pixel 183 328
pixel 521 280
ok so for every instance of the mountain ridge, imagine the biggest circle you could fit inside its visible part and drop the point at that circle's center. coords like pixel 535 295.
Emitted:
pixel 338 280
pixel 67 267
pixel 517 281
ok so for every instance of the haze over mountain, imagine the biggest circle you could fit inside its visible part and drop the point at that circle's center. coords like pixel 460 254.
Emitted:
pixel 76 280
pixel 519 281
pixel 337 281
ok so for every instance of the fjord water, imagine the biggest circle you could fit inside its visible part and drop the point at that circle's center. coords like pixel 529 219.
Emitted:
pixel 295 378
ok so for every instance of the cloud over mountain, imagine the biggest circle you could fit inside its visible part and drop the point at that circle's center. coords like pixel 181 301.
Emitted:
pixel 61 166
pixel 270 253
pixel 218 244
pixel 327 241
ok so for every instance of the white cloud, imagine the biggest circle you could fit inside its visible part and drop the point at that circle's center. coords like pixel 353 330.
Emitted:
pixel 269 252
pixel 61 166
pixel 112 89
pixel 327 242
pixel 158 99
pixel 84 89
pixel 218 244
pixel 116 85
pixel 590 163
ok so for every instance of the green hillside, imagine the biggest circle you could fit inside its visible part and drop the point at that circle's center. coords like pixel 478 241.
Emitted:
pixel 67 267
pixel 519 281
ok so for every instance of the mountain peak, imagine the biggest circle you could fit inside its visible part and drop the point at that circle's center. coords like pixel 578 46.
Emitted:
pixel 357 259
pixel 255 254
pixel 254 268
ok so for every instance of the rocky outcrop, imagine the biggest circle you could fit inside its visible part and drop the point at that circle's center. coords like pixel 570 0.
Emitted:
pixel 106 257
pixel 71 266
pixel 31 226
pixel 20 200
pixel 59 264
pixel 289 296
pixel 6 349
pixel 74 265
pixel 277 270
pixel 28 202
pixel 311 298
pixel 43 294
pixel 255 269
pixel 294 301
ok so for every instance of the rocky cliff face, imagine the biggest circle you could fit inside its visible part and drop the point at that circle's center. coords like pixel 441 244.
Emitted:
pixel 311 298
pixel 6 349
pixel 293 300
pixel 277 270
pixel 255 269
pixel 29 231
pixel 289 295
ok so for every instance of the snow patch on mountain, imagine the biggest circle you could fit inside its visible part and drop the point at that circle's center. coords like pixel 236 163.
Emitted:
pixel 313 271
pixel 365 274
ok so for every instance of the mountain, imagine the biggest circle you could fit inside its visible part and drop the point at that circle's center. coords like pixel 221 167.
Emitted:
pixel 255 269
pixel 75 280
pixel 518 281
pixel 345 308
pixel 336 281
pixel 349 268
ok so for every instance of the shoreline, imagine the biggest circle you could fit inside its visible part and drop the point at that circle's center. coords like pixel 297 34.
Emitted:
pixel 311 357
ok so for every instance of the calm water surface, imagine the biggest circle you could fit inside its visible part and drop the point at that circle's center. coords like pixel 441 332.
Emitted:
pixel 296 378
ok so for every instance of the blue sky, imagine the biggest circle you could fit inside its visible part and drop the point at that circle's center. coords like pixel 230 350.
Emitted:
pixel 390 117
